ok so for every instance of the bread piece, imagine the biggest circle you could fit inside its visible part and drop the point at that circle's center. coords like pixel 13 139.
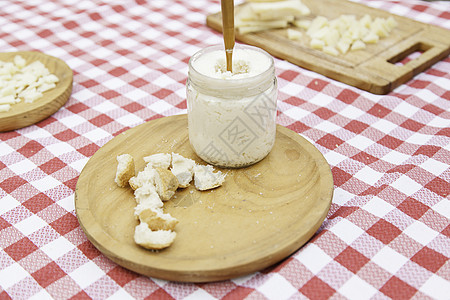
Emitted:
pixel 147 197
pixel 125 169
pixel 206 179
pixel 155 240
pixel 159 160
pixel 183 169
pixel 144 177
pixel 166 183
pixel 156 219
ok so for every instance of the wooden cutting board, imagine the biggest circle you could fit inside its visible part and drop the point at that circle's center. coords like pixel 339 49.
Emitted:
pixel 259 216
pixel 25 114
pixel 374 69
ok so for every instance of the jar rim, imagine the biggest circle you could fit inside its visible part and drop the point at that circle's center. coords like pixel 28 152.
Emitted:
pixel 249 82
pixel 201 76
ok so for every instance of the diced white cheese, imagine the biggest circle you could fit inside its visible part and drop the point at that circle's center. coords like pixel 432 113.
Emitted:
pixel 316 24
pixel 5 107
pixel 30 95
pixel 294 34
pixel 24 82
pixel 343 46
pixel 304 24
pixel 330 50
pixel 319 33
pixel 317 44
pixel 365 21
pixel 331 37
pixel 8 90
pixel 371 38
pixel 358 45
pixel 19 61
pixel 10 99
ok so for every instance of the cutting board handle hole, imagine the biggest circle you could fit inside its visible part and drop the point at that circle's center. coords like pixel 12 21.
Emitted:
pixel 409 54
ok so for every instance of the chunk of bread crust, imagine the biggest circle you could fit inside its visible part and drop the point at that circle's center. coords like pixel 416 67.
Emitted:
pixel 159 160
pixel 156 219
pixel 144 177
pixel 166 183
pixel 206 179
pixel 183 169
pixel 154 240
pixel 125 169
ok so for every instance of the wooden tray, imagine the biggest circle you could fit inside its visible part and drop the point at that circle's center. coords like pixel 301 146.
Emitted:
pixel 25 114
pixel 373 69
pixel 260 215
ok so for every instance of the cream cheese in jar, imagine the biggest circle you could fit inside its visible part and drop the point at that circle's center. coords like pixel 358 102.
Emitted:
pixel 231 115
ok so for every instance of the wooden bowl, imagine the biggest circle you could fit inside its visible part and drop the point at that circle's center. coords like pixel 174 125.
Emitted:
pixel 259 216
pixel 24 114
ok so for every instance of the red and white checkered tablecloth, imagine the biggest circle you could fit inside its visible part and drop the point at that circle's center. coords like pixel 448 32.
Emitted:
pixel 386 235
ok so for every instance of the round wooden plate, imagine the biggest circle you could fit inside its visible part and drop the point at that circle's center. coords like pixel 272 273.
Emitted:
pixel 259 216
pixel 25 114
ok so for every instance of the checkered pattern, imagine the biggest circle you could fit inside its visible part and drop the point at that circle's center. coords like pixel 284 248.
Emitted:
pixel 386 235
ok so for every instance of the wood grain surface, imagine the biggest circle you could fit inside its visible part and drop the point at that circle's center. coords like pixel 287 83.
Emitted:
pixel 373 69
pixel 25 114
pixel 260 215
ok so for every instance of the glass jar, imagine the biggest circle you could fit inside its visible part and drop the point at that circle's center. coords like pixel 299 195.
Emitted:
pixel 231 116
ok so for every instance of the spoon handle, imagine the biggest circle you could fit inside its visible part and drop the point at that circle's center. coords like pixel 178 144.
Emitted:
pixel 228 30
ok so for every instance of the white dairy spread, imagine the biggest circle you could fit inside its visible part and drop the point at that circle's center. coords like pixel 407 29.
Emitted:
pixel 246 63
pixel 232 114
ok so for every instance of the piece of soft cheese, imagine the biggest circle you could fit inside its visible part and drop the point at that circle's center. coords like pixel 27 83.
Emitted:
pixel 358 45
pixel 274 10
pixel 265 15
pixel 294 34
pixel 330 50
pixel 317 44
pixel 304 24
pixel 5 107
pixel 10 99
